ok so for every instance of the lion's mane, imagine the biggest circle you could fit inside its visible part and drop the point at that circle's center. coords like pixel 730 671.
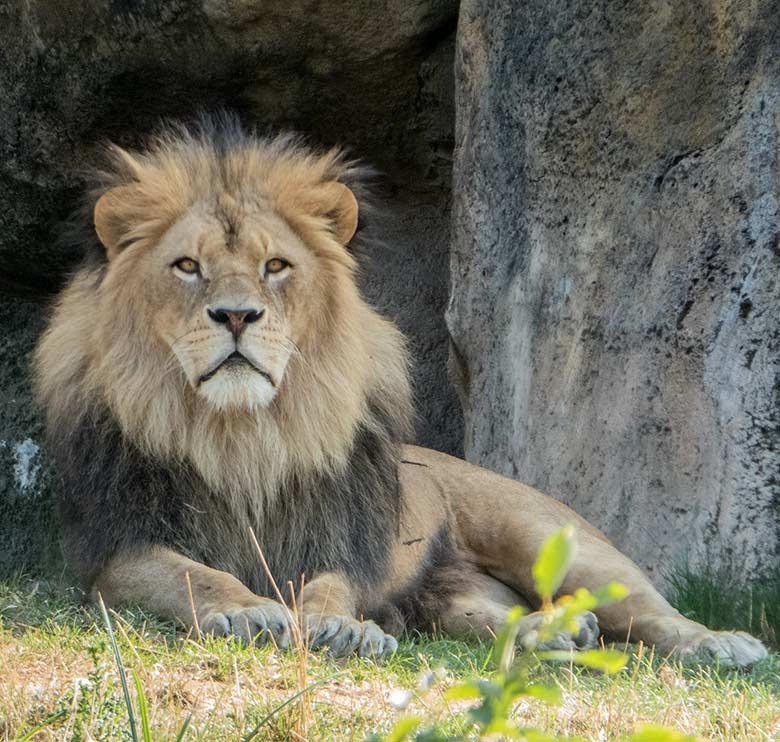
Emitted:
pixel 143 462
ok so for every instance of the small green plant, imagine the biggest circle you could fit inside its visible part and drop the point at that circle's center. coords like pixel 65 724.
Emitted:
pixel 495 698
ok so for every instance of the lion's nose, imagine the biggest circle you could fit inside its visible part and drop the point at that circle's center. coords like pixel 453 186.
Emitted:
pixel 235 319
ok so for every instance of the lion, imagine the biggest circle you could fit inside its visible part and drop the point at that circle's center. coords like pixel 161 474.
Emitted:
pixel 216 388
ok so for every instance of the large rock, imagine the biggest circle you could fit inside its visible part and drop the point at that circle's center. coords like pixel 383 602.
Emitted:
pixel 375 77
pixel 616 266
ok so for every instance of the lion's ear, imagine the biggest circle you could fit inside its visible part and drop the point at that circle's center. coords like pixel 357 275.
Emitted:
pixel 337 203
pixel 111 217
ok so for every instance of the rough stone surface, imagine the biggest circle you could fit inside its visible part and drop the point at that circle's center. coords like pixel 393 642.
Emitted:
pixel 377 78
pixel 27 535
pixel 616 266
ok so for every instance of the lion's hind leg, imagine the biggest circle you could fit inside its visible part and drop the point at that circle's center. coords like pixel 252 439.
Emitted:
pixel 504 525
pixel 481 606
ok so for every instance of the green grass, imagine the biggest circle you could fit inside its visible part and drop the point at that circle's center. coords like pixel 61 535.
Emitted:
pixel 58 671
pixel 720 600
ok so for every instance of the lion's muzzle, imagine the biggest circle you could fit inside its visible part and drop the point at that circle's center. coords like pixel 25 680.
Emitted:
pixel 236 320
pixel 236 359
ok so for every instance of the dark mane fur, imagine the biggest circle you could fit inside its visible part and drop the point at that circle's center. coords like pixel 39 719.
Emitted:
pixel 114 498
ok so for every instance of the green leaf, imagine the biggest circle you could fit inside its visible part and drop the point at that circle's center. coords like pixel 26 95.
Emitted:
pixel 431 734
pixel 533 735
pixel 143 709
pixel 548 693
pixel 463 692
pixel 568 608
pixel 611 593
pixel 503 727
pixel 553 562
pixel 659 734
pixel 514 614
pixel 49 720
pixel 609 660
pixel 183 730
pixel 489 689
pixel 504 645
pixel 582 600
pixel 484 714
pixel 403 728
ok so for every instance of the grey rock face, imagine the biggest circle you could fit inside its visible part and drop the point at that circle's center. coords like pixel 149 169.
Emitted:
pixel 27 533
pixel 374 77
pixel 616 266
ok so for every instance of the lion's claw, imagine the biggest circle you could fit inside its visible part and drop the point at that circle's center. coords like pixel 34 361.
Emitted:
pixel 586 638
pixel 259 624
pixel 344 635
pixel 726 648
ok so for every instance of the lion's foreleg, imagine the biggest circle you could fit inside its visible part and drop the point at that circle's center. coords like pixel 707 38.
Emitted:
pixel 204 599
pixel 328 604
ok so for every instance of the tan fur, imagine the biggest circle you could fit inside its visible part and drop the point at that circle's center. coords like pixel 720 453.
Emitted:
pixel 133 335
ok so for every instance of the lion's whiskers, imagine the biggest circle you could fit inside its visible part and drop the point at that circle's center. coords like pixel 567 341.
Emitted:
pixel 295 352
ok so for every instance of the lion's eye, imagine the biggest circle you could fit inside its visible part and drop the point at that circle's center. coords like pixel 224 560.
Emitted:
pixel 187 265
pixel 276 265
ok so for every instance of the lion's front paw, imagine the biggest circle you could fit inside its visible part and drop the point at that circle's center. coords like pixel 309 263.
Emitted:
pixel 586 638
pixel 260 623
pixel 727 648
pixel 345 635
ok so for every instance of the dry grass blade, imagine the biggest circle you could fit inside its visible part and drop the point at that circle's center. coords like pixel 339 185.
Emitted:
pixel 301 642
pixel 298 637
pixel 192 605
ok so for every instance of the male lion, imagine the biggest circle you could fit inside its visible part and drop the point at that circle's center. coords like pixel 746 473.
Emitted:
pixel 211 372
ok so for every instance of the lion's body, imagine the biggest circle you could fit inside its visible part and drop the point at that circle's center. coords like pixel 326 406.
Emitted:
pixel 211 375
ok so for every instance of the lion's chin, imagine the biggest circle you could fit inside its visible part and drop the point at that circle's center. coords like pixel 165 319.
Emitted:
pixel 246 390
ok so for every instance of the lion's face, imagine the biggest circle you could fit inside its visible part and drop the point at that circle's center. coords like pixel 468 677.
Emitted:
pixel 223 297
pixel 231 274
pixel 227 310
